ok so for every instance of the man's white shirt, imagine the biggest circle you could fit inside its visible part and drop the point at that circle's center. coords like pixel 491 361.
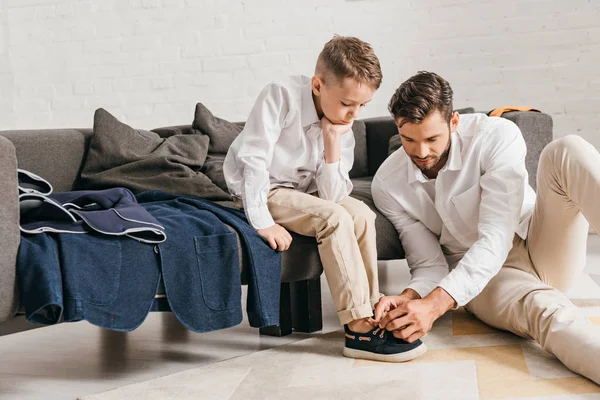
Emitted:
pixel 282 145
pixel 457 229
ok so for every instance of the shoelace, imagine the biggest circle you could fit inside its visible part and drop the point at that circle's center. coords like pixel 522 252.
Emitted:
pixel 382 332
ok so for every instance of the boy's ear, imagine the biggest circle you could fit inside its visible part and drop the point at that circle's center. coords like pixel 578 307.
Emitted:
pixel 317 85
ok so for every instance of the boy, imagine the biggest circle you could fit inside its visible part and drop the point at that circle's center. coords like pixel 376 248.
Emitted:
pixel 289 167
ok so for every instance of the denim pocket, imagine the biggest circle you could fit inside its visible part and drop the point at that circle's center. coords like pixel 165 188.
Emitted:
pixel 218 263
pixel 91 267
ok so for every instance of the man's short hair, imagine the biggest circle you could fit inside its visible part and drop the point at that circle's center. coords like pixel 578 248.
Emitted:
pixel 421 95
pixel 349 57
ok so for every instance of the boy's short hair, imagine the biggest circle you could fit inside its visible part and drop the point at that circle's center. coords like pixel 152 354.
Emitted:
pixel 349 57
pixel 421 95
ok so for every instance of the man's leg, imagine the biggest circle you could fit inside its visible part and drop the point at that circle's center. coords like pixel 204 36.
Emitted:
pixel 525 296
pixel 333 227
pixel 517 300
pixel 364 230
pixel 568 193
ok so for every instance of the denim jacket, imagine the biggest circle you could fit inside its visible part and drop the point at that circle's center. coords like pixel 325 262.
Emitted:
pixel 112 281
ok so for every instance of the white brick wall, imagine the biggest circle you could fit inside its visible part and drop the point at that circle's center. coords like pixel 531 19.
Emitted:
pixel 150 61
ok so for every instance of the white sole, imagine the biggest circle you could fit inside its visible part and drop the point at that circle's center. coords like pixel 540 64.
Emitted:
pixel 395 358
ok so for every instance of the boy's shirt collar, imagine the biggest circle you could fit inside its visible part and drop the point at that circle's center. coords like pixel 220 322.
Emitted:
pixel 308 111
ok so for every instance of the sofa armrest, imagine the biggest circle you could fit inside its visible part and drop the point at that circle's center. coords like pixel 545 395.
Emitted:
pixel 537 132
pixel 9 229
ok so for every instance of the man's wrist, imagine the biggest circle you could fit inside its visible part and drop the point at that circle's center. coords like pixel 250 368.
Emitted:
pixel 441 301
pixel 411 294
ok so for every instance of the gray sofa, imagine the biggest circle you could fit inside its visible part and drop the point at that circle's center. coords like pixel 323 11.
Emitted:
pixel 58 155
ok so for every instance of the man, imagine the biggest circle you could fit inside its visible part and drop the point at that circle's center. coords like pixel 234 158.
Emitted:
pixel 473 231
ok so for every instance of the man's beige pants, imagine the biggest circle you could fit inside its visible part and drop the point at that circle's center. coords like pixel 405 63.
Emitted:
pixel 526 297
pixel 345 234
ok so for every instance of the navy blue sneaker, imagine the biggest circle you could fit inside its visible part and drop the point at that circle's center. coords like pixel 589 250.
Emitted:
pixel 381 345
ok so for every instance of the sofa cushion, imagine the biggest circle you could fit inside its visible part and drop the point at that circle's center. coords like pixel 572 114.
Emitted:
pixel 9 234
pixel 213 169
pixel 537 132
pixel 141 160
pixel 388 242
pixel 360 167
pixel 65 149
pixel 221 132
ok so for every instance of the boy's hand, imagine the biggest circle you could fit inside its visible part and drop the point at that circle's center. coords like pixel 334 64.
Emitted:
pixel 331 129
pixel 332 139
pixel 277 236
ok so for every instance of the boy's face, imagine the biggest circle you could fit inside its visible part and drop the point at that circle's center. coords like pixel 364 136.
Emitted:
pixel 340 100
pixel 428 143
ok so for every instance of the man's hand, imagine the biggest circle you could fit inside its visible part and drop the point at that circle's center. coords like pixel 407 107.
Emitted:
pixel 412 319
pixel 387 303
pixel 277 236
pixel 332 139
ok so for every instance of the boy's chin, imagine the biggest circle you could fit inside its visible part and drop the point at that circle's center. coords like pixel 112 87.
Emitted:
pixel 339 121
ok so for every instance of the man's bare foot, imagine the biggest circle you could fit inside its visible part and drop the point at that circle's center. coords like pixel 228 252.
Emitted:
pixel 361 325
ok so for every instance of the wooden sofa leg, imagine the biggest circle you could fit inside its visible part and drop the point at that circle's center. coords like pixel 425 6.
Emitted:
pixel 307 314
pixel 285 315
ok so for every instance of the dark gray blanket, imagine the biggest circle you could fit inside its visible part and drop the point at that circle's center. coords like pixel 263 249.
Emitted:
pixel 141 160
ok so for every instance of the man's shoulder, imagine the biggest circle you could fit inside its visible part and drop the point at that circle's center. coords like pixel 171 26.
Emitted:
pixel 478 124
pixel 480 131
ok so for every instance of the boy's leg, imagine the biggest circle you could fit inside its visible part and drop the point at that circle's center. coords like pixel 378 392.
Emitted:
pixel 364 230
pixel 528 301
pixel 333 227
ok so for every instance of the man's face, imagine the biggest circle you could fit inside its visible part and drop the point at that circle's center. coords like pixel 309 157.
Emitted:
pixel 340 100
pixel 428 143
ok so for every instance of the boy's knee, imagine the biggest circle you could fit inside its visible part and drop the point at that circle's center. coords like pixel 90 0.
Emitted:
pixel 338 215
pixel 364 215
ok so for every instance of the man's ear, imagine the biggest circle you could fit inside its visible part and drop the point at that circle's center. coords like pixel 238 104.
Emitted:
pixel 317 85
pixel 454 121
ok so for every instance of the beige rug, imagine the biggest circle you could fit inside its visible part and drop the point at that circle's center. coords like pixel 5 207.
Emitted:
pixel 466 360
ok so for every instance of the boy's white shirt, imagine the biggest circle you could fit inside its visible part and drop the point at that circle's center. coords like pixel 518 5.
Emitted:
pixel 457 234
pixel 282 145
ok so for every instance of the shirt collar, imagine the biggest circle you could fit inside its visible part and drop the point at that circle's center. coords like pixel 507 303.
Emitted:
pixel 454 161
pixel 308 111
pixel 455 156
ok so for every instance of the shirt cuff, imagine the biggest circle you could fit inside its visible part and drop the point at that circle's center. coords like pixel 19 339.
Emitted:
pixel 331 172
pixel 457 285
pixel 423 288
pixel 259 216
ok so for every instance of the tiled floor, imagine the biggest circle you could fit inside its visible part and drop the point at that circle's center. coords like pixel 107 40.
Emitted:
pixel 69 360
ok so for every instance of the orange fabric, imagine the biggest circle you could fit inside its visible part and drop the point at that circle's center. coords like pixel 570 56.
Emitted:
pixel 497 112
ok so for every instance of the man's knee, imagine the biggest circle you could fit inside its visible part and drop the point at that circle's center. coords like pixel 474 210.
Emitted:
pixel 571 144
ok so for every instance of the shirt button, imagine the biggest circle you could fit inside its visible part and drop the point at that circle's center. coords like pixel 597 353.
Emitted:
pixel 156 249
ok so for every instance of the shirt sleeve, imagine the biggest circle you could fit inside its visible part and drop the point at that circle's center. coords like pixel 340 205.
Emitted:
pixel 502 191
pixel 333 180
pixel 258 138
pixel 424 255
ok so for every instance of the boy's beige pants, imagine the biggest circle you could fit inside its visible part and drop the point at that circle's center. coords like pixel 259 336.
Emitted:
pixel 345 234
pixel 526 297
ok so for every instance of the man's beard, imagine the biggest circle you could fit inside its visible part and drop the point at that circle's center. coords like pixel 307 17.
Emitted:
pixel 443 157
